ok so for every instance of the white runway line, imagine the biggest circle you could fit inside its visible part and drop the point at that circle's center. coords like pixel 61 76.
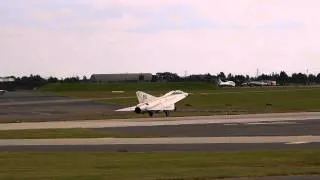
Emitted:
pixel 176 140
pixel 271 123
pixel 231 124
pixel 297 142
pixel 223 119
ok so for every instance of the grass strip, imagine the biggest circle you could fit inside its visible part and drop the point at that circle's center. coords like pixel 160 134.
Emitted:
pixel 157 166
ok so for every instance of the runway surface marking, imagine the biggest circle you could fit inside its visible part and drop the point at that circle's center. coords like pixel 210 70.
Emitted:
pixel 271 123
pixel 297 142
pixel 231 124
pixel 167 140
pixel 224 119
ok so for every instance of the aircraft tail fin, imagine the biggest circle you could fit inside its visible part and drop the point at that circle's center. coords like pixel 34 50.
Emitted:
pixel 144 97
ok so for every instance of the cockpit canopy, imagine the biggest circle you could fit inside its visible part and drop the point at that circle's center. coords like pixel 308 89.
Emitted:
pixel 177 92
pixel 174 92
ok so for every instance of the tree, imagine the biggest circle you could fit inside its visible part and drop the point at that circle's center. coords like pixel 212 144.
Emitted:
pixel 168 76
pixel 318 78
pixel 71 80
pixel 141 77
pixel 299 78
pixel 52 80
pixel 208 78
pixel 84 79
pixel 239 79
pixel 222 76
pixel 283 78
pixel 311 79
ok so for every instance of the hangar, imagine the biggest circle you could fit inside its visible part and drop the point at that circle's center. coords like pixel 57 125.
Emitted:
pixel 7 83
pixel 7 79
pixel 126 77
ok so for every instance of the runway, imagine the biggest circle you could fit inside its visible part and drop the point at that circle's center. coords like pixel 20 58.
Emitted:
pixel 277 128
pixel 24 106
pixel 162 147
pixel 164 121
pixel 267 135
pixel 166 140
pixel 164 144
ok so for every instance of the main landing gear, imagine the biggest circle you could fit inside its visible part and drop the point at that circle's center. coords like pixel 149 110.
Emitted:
pixel 167 113
pixel 150 113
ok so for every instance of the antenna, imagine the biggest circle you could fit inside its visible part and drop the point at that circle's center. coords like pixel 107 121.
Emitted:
pixel 307 76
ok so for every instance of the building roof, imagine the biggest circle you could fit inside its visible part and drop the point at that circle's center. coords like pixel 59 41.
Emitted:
pixel 121 77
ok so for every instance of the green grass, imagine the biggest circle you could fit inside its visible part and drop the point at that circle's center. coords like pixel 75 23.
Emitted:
pixel 152 166
pixel 206 99
pixel 291 100
pixel 69 133
pixel 144 86
pixel 127 86
pixel 248 100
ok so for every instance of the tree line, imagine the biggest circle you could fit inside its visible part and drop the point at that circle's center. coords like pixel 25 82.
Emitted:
pixel 35 81
pixel 282 78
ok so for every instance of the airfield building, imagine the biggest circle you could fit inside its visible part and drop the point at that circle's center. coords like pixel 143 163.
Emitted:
pixel 260 83
pixel 127 77
pixel 7 83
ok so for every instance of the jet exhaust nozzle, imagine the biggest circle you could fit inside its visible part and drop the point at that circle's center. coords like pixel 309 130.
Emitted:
pixel 137 110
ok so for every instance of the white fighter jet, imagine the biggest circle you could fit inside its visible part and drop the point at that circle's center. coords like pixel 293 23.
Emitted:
pixel 226 84
pixel 152 104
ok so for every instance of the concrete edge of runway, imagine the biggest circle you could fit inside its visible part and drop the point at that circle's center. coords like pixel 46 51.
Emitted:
pixel 291 177
pixel 164 140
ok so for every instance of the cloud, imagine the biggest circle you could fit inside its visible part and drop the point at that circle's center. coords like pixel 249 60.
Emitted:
pixel 280 25
pixel 172 18
pixel 67 37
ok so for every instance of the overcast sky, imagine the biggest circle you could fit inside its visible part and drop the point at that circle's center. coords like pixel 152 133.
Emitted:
pixel 81 37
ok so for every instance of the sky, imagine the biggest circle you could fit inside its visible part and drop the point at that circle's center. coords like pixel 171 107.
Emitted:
pixel 82 37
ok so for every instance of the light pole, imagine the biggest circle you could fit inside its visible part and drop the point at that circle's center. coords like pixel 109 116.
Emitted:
pixel 307 77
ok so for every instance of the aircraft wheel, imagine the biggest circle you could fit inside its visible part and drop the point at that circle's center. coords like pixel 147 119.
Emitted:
pixel 167 113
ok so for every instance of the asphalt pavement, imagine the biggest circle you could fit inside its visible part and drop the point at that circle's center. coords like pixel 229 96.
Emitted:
pixel 162 147
pixel 24 106
pixel 278 128
pixel 257 132
pixel 226 132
